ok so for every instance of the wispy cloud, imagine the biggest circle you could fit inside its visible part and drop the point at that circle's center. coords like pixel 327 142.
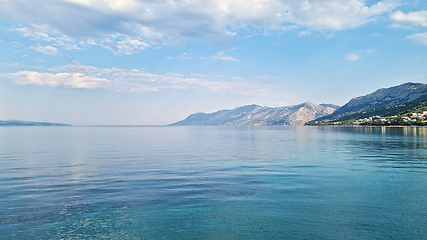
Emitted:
pixel 131 80
pixel 411 20
pixel 127 27
pixel 182 56
pixel 35 32
pixel 18 65
pixel 222 56
pixel 304 33
pixel 73 80
pixel 354 56
pixel 336 14
pixel 48 50
pixel 420 38
pixel 126 46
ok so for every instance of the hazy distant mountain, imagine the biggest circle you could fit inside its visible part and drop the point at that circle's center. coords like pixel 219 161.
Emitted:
pixel 257 115
pixel 384 102
pixel 25 123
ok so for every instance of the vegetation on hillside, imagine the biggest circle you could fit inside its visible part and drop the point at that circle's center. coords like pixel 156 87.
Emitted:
pixel 406 114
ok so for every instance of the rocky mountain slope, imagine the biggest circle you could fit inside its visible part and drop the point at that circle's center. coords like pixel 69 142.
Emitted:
pixel 384 102
pixel 257 115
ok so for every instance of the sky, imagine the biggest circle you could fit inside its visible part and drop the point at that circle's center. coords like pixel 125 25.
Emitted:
pixel 154 62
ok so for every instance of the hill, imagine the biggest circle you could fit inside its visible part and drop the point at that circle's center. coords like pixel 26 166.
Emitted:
pixel 383 102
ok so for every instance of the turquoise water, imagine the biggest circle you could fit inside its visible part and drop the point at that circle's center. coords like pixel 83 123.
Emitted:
pixel 213 183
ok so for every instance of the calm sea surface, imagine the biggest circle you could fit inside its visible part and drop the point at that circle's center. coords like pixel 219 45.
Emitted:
pixel 213 183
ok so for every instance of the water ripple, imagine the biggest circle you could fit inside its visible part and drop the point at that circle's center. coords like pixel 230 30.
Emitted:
pixel 212 183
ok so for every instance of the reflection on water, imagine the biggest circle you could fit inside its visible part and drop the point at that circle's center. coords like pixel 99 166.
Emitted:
pixel 213 182
pixel 384 130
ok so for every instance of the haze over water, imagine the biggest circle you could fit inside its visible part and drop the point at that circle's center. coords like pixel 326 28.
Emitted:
pixel 213 182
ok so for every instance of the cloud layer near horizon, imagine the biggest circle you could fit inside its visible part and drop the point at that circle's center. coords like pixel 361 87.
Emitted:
pixel 128 26
pixel 76 75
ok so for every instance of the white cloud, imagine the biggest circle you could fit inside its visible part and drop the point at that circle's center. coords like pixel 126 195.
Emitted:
pixel 420 38
pixel 128 26
pixel 397 25
pixel 48 50
pixel 406 20
pixel 222 56
pixel 337 14
pixel 130 80
pixel 47 34
pixel 198 75
pixel 73 80
pixel 126 46
pixel 36 32
pixel 182 56
pixel 289 28
pixel 369 51
pixel 411 18
pixel 18 65
pixel 304 33
pixel 352 57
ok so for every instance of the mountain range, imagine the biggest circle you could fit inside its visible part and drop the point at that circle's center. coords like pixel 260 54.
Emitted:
pixel 384 102
pixel 397 100
pixel 257 115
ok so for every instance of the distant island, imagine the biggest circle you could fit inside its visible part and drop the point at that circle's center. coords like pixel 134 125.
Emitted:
pixel 402 105
pixel 26 123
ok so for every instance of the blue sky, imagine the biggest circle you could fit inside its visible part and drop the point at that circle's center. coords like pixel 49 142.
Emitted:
pixel 156 62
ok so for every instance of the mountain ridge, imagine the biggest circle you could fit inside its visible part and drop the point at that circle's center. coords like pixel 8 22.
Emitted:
pixel 254 114
pixel 384 102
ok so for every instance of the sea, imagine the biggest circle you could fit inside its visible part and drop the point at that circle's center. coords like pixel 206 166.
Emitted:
pixel 213 182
